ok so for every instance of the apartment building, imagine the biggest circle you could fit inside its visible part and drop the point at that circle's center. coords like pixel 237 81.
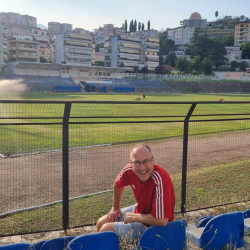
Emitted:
pixel 152 47
pixel 181 35
pixel 23 51
pixel 131 51
pixel 54 27
pixel 66 27
pixel 105 31
pixel 124 51
pixel 3 47
pixel 16 18
pixel 242 33
pixel 73 48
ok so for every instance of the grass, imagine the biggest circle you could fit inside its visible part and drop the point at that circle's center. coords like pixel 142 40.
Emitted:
pixel 221 184
pixel 30 138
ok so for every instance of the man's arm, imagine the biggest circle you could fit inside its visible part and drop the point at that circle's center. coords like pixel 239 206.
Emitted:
pixel 144 218
pixel 115 211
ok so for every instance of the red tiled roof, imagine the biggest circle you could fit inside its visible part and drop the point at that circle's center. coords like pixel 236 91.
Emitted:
pixel 168 67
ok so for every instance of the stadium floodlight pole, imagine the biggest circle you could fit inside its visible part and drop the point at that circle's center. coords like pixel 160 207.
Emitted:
pixel 184 159
pixel 65 156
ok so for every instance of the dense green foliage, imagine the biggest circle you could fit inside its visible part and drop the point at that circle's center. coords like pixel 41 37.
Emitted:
pixel 98 46
pixel 228 40
pixel 245 50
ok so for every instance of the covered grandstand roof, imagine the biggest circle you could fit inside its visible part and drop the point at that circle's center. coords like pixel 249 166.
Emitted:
pixel 63 66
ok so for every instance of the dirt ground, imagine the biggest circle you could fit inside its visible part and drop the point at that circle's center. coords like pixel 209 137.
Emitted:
pixel 34 180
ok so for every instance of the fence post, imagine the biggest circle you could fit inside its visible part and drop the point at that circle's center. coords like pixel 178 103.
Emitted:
pixel 65 184
pixel 184 158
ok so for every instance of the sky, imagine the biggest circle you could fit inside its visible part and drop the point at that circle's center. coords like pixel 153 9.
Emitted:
pixel 90 14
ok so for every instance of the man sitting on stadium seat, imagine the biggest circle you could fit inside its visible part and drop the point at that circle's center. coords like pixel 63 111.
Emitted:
pixel 154 193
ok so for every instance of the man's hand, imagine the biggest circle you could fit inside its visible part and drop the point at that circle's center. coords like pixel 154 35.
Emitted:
pixel 114 214
pixel 130 217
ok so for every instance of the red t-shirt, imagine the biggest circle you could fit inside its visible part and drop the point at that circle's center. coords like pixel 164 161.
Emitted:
pixel 155 196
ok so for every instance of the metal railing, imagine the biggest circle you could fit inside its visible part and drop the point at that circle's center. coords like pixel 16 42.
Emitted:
pixel 59 160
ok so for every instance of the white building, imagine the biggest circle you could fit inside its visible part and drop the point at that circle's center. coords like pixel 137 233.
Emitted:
pixel 66 27
pixel 16 18
pixel 54 27
pixel 73 48
pixel 3 47
pixel 152 47
pixel 194 20
pixel 181 35
pixel 106 31
pixel 62 70
pixel 129 51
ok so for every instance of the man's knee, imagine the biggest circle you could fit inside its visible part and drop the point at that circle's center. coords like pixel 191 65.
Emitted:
pixel 107 227
pixel 102 221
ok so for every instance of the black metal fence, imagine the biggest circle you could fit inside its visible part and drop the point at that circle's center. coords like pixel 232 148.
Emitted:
pixel 59 160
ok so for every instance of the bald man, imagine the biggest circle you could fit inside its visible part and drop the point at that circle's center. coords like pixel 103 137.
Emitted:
pixel 153 191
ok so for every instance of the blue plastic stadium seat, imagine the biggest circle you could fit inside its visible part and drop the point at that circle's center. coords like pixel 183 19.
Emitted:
pixel 17 246
pixel 221 230
pixel 57 243
pixel 38 245
pixel 171 237
pixel 104 241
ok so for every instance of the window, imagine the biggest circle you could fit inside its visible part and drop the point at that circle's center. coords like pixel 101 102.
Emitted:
pixel 35 32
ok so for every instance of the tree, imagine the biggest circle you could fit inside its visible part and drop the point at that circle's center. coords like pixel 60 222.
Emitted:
pixel 126 27
pixel 242 17
pixel 234 65
pixel 242 65
pixel 43 60
pixel 98 46
pixel 182 64
pixel 160 60
pixel 166 46
pixel 245 50
pixel 148 24
pixel 202 45
pixel 139 26
pixel 216 14
pixel 207 66
pixel 99 63
pixel 171 58
pixel 196 65
pixel 136 69
pixel 144 70
pixel 142 27
pixel 228 40
pixel 218 53
pixel 131 26
pixel 160 70
pixel 135 26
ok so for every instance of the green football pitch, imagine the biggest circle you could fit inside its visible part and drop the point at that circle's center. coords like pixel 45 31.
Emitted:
pixel 178 97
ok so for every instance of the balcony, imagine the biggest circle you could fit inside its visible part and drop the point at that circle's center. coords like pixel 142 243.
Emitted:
pixel 26 48
pixel 27 56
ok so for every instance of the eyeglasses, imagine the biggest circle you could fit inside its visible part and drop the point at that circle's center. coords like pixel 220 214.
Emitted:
pixel 145 162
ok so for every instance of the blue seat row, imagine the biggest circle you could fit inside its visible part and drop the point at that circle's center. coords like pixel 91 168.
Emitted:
pixel 123 89
pixel 208 233
pixel 66 89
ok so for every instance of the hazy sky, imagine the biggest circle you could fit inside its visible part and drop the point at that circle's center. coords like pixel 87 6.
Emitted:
pixel 90 14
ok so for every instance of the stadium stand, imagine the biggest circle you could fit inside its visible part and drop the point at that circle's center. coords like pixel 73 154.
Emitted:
pixel 45 83
pixel 123 89
pixel 66 89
